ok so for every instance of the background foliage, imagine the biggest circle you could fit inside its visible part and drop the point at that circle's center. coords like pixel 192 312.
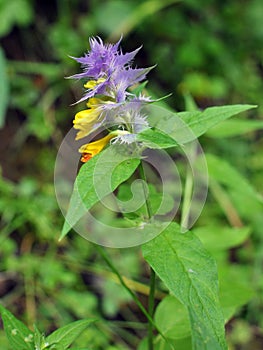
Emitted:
pixel 208 49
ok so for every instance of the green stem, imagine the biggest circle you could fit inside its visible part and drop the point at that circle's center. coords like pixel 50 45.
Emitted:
pixel 105 257
pixel 148 314
pixel 152 275
pixel 188 190
pixel 151 309
pixel 147 203
pixel 103 254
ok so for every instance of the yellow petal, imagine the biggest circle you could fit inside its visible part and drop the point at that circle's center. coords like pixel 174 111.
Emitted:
pixel 93 83
pixel 95 147
pixel 85 121
pixel 87 115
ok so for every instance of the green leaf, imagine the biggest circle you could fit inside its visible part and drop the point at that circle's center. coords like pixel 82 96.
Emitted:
pixel 19 336
pixel 156 139
pixel 200 122
pixel 235 288
pixel 221 171
pixel 14 12
pixel 4 88
pixel 133 18
pixel 172 318
pixel 216 238
pixel 161 344
pixel 103 174
pixel 230 128
pixel 190 274
pixel 65 336
pixel 187 126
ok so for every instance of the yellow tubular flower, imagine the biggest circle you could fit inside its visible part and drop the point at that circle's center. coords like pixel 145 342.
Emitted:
pixel 89 150
pixel 85 120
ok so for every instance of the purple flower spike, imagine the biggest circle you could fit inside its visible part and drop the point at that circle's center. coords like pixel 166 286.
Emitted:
pixel 108 71
pixel 98 61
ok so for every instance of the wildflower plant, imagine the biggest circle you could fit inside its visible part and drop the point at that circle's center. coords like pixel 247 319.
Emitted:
pixel 129 165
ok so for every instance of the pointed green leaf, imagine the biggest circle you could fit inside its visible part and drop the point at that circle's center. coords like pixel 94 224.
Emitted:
pixel 101 174
pixel 139 89
pixel 19 336
pixel 200 122
pixel 65 336
pixel 190 274
pixel 187 126
pixel 155 139
pixel 4 88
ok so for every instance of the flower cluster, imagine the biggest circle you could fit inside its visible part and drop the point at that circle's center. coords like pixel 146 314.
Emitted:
pixel 107 75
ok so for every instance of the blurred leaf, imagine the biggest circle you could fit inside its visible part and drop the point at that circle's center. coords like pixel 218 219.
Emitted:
pixel 14 12
pixel 172 318
pixel 70 300
pixel 221 238
pixel 235 289
pixel 4 341
pixel 201 85
pixel 109 173
pixel 64 336
pixel 230 128
pixel 224 173
pixel 114 296
pixel 4 88
pixel 126 18
pixel 115 11
pixel 189 272
pixel 189 102
pixel 19 336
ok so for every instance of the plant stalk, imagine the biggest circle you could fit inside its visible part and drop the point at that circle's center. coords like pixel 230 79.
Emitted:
pixel 152 274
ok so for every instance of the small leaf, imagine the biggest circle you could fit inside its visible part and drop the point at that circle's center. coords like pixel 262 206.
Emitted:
pixel 107 171
pixel 19 336
pixel 39 339
pixel 65 336
pixel 156 139
pixel 190 273
pixel 4 88
pixel 139 89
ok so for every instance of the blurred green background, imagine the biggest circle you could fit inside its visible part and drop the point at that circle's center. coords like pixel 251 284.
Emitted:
pixel 209 49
